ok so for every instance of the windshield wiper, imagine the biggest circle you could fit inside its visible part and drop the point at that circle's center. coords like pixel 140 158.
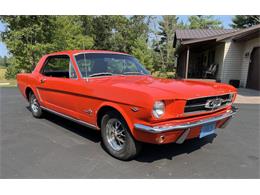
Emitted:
pixel 133 73
pixel 101 74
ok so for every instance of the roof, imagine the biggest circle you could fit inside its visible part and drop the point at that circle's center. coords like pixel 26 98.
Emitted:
pixel 85 51
pixel 201 33
pixel 241 33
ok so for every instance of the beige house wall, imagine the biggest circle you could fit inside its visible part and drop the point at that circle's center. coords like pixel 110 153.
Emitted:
pixel 232 61
pixel 236 60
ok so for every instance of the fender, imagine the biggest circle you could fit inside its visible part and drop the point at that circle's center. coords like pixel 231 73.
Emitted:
pixel 120 110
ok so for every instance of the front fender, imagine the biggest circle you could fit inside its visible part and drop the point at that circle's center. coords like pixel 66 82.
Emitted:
pixel 121 109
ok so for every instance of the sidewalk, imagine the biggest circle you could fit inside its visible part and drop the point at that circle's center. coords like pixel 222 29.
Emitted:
pixel 248 96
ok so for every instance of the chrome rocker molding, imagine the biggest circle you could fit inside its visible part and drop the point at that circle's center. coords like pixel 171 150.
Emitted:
pixel 187 126
pixel 70 118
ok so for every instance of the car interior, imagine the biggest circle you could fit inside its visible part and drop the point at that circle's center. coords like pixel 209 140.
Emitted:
pixel 58 66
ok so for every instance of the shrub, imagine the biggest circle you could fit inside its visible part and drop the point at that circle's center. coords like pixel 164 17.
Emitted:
pixel 11 72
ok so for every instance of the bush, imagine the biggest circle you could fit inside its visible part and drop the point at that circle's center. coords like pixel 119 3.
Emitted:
pixel 2 73
pixel 161 74
pixel 11 72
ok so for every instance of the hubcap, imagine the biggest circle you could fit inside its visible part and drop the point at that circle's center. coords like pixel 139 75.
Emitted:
pixel 116 134
pixel 34 104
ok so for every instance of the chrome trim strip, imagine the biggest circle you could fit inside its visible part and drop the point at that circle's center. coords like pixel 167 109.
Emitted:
pixel 194 105
pixel 71 118
pixel 182 138
pixel 101 52
pixel 165 128
pixel 211 96
pixel 37 90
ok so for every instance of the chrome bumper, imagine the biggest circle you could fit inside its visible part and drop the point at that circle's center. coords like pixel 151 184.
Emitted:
pixel 165 128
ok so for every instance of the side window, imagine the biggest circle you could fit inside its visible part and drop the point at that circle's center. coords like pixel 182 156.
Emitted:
pixel 59 66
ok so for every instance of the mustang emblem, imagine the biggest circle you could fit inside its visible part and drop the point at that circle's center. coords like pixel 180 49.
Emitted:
pixel 214 103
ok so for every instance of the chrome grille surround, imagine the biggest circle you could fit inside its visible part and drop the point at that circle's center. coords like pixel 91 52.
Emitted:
pixel 207 104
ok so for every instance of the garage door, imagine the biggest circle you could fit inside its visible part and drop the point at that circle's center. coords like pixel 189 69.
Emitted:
pixel 253 81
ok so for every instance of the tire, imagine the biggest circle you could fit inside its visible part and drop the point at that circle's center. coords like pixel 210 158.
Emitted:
pixel 118 142
pixel 34 105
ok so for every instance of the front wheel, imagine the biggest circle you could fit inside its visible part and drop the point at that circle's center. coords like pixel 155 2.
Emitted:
pixel 35 106
pixel 117 138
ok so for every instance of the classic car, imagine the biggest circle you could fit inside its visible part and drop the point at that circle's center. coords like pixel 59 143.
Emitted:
pixel 113 93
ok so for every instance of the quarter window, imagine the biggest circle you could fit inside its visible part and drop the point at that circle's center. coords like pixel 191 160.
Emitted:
pixel 59 66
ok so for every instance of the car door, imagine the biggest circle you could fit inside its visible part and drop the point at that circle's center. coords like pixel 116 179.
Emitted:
pixel 58 85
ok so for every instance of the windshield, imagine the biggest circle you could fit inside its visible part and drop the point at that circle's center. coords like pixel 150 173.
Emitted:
pixel 100 64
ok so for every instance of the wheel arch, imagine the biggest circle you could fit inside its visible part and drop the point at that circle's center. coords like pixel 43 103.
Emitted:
pixel 105 107
pixel 28 90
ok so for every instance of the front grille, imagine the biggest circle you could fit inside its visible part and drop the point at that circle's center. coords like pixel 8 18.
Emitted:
pixel 199 104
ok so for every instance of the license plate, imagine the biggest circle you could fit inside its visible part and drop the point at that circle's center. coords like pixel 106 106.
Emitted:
pixel 207 129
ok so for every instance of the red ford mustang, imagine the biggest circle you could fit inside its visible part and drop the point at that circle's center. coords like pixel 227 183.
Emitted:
pixel 112 92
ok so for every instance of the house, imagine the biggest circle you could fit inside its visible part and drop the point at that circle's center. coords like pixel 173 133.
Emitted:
pixel 220 54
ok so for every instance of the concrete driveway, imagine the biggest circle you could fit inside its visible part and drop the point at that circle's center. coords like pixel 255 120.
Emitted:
pixel 248 96
pixel 53 147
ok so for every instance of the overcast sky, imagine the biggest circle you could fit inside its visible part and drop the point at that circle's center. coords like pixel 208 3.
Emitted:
pixel 226 20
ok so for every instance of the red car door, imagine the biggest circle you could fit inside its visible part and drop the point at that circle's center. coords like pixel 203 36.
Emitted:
pixel 58 83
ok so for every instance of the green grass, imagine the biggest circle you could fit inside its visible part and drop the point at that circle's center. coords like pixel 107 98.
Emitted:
pixel 4 82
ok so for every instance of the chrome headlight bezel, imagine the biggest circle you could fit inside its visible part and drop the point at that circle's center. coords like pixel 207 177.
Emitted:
pixel 158 109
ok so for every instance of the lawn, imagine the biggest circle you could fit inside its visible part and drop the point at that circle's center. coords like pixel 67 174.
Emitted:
pixel 4 82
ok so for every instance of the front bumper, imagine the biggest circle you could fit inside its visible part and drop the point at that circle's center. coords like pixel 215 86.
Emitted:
pixel 188 126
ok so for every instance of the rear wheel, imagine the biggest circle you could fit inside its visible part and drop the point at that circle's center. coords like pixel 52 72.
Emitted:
pixel 35 106
pixel 117 138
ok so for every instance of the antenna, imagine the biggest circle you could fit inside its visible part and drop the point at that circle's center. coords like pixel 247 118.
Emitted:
pixel 85 62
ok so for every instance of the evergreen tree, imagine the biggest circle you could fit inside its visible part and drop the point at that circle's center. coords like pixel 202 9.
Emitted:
pixel 164 46
pixel 204 22
pixel 141 51
pixel 245 21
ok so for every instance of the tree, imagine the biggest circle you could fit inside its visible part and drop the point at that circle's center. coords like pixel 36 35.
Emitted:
pixel 164 46
pixel 5 62
pixel 141 51
pixel 117 33
pixel 69 34
pixel 1 61
pixel 245 21
pixel 27 38
pixel 204 22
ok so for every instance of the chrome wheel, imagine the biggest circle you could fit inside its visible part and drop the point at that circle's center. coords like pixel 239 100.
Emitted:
pixel 116 134
pixel 34 104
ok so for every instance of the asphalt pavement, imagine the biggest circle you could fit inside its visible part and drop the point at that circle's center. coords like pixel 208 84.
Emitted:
pixel 54 147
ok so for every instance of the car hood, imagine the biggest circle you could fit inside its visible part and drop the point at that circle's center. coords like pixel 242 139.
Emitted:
pixel 164 88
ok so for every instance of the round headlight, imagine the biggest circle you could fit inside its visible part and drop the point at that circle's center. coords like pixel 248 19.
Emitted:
pixel 158 109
